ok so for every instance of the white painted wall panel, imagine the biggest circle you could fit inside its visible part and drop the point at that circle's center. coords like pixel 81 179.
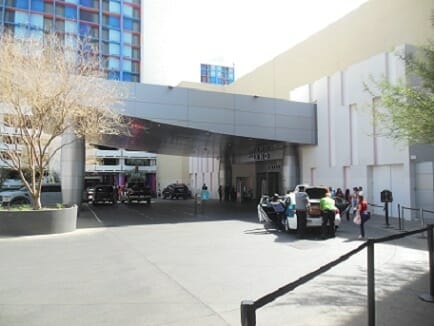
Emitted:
pixel 354 147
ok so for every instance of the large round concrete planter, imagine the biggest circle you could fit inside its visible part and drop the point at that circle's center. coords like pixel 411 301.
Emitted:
pixel 44 221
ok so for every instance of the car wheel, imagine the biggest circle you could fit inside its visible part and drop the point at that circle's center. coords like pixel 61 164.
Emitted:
pixel 20 201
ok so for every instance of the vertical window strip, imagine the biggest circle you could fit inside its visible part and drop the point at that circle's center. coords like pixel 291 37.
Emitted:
pixel 353 134
pixel 330 125
pixel 376 103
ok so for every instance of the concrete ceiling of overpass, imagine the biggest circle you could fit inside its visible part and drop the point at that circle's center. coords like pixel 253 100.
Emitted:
pixel 149 136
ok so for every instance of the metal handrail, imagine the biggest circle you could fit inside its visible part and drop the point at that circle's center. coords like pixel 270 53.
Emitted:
pixel 249 307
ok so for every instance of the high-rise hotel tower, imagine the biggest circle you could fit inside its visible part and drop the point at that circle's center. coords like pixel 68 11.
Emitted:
pixel 113 25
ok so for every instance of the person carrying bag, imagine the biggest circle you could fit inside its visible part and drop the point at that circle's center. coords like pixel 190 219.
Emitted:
pixel 362 215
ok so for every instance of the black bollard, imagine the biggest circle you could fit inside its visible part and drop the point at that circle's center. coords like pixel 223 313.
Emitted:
pixel 386 213
pixel 248 313
pixel 429 297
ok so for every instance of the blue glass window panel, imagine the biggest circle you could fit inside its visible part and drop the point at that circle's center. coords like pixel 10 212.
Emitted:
pixel 128 38
pixel 128 24
pixel 86 3
pixel 114 75
pixel 113 63
pixel 114 22
pixel 70 27
pixel 127 51
pixel 213 80
pixel 23 4
pixel 37 5
pixel 71 1
pixel 114 36
pixel 115 7
pixel 114 49
pixel 127 66
pixel 21 18
pixel 127 76
pixel 70 12
pixel 128 11
pixel 84 29
pixel 37 21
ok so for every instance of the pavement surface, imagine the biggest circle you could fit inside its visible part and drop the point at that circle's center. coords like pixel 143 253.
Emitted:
pixel 172 263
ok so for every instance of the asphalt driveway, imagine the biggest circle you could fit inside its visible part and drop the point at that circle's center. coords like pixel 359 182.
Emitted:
pixel 165 265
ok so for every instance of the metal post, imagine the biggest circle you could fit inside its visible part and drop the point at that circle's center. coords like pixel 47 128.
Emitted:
pixel 195 204
pixel 429 297
pixel 371 284
pixel 422 222
pixel 399 216
pixel 248 313
pixel 386 212
pixel 403 218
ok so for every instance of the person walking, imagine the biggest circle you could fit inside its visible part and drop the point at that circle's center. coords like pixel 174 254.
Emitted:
pixel 339 193
pixel 354 200
pixel 328 212
pixel 220 191
pixel 362 211
pixel 301 207
pixel 347 197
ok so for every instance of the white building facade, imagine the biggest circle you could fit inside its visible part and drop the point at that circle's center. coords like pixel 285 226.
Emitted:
pixel 351 151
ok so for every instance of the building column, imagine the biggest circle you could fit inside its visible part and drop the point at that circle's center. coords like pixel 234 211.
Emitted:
pixel 72 166
pixel 290 175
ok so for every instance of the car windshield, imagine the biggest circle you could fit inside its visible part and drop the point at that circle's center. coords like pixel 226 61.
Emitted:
pixel 136 186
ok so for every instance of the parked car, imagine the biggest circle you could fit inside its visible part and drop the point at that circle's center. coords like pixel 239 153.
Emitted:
pixel 138 191
pixel 103 194
pixel 267 215
pixel 51 194
pixel 176 191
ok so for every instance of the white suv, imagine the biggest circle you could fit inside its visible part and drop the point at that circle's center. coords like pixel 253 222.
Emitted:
pixel 51 194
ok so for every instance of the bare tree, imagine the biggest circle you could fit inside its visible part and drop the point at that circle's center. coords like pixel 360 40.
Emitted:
pixel 48 87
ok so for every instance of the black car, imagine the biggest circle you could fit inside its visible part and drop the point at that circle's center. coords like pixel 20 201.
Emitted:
pixel 105 194
pixel 176 191
pixel 138 191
